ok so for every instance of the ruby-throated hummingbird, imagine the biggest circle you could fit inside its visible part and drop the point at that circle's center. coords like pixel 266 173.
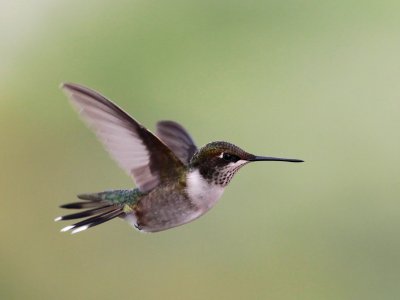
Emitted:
pixel 176 182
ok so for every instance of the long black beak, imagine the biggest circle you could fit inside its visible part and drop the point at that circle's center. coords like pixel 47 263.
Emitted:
pixel 267 158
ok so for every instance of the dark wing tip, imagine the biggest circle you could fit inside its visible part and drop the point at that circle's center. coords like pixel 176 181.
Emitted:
pixel 75 87
pixel 69 86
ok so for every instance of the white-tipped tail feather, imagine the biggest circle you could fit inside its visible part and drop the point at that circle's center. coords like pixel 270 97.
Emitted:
pixel 96 211
pixel 79 229
pixel 66 228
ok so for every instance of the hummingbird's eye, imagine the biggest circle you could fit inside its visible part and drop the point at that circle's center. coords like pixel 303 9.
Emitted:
pixel 230 157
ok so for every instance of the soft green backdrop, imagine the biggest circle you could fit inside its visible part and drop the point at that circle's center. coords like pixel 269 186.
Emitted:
pixel 315 80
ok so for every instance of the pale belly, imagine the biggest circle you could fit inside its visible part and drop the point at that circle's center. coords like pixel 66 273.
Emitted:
pixel 165 208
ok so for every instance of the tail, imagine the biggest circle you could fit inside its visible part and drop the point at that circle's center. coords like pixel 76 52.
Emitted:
pixel 100 208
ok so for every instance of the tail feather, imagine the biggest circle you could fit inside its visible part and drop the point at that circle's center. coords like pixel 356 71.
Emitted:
pixel 98 208
pixel 93 221
pixel 86 213
pixel 80 205
pixel 90 197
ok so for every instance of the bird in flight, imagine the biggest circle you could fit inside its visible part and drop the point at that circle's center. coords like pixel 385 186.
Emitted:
pixel 176 182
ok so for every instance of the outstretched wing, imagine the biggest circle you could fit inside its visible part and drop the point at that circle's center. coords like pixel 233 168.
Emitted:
pixel 137 151
pixel 177 139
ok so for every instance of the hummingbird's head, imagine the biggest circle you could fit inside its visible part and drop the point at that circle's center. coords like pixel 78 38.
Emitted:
pixel 217 162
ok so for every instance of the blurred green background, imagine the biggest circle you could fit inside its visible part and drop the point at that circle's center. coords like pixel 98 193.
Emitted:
pixel 314 80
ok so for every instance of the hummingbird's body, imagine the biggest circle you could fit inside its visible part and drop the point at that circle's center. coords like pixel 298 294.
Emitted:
pixel 176 182
pixel 174 204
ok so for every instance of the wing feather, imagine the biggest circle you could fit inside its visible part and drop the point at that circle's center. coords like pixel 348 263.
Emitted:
pixel 136 150
pixel 177 139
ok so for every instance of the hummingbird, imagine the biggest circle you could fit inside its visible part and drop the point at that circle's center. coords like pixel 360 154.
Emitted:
pixel 176 182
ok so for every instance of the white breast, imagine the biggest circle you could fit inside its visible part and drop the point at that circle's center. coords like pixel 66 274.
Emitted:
pixel 203 194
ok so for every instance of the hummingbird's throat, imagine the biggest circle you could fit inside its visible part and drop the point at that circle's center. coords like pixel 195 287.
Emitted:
pixel 224 175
